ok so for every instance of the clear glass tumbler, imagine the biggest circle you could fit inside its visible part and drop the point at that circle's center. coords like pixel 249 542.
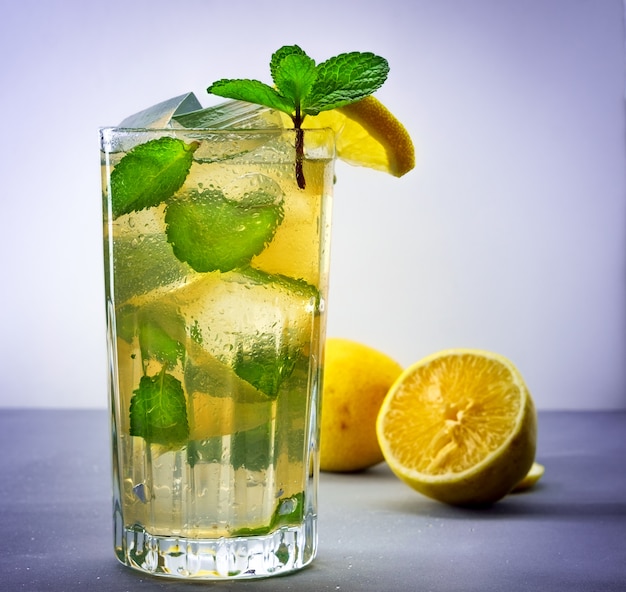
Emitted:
pixel 216 268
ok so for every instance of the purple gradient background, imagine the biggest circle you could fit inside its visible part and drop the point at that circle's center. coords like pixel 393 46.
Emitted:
pixel 509 235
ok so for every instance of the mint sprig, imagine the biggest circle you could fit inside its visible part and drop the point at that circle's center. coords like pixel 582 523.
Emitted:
pixel 302 87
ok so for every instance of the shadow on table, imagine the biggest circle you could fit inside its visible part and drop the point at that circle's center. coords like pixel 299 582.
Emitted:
pixel 574 488
pixel 106 574
pixel 530 504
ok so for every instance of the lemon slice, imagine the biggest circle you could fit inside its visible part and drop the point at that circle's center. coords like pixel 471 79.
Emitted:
pixel 536 472
pixel 459 426
pixel 366 134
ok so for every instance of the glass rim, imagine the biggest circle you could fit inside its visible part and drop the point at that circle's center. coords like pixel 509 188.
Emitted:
pixel 217 131
pixel 318 142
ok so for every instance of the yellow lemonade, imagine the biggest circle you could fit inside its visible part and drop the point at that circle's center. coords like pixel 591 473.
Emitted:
pixel 215 298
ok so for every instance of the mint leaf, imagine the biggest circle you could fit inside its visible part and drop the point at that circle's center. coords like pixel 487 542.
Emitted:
pixel 157 343
pixel 208 450
pixel 295 77
pixel 211 232
pixel 289 512
pixel 252 449
pixel 298 287
pixel 252 91
pixel 158 411
pixel 249 449
pixel 280 54
pixel 265 367
pixel 345 79
pixel 150 174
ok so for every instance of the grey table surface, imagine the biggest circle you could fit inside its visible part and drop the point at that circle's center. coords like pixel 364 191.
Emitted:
pixel 569 533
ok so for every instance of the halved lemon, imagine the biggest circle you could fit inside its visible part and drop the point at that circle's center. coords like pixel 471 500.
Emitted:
pixel 459 426
pixel 366 134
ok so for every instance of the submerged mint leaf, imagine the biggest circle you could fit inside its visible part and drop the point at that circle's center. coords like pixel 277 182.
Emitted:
pixel 157 342
pixel 150 174
pixel 265 367
pixel 289 512
pixel 158 410
pixel 208 450
pixel 297 286
pixel 211 232
pixel 345 79
pixel 252 449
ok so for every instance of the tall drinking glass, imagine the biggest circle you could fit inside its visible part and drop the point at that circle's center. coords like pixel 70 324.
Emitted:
pixel 216 268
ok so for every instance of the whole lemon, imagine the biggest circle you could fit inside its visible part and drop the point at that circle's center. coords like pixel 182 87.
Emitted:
pixel 356 380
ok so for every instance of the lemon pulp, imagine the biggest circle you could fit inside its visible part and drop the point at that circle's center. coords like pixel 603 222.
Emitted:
pixel 459 426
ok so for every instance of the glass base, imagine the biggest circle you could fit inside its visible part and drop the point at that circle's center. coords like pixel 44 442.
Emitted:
pixel 287 549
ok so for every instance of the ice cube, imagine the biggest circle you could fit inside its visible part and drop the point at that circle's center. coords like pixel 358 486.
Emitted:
pixel 143 259
pixel 185 111
pixel 230 115
pixel 253 323
pixel 159 116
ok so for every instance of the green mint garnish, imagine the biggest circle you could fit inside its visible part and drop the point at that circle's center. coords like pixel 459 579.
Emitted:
pixel 298 287
pixel 303 88
pixel 289 512
pixel 156 342
pixel 211 232
pixel 251 449
pixel 158 411
pixel 264 367
pixel 150 174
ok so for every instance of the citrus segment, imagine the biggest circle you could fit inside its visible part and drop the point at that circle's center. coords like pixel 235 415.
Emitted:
pixel 384 130
pixel 367 134
pixel 459 426
pixel 536 472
